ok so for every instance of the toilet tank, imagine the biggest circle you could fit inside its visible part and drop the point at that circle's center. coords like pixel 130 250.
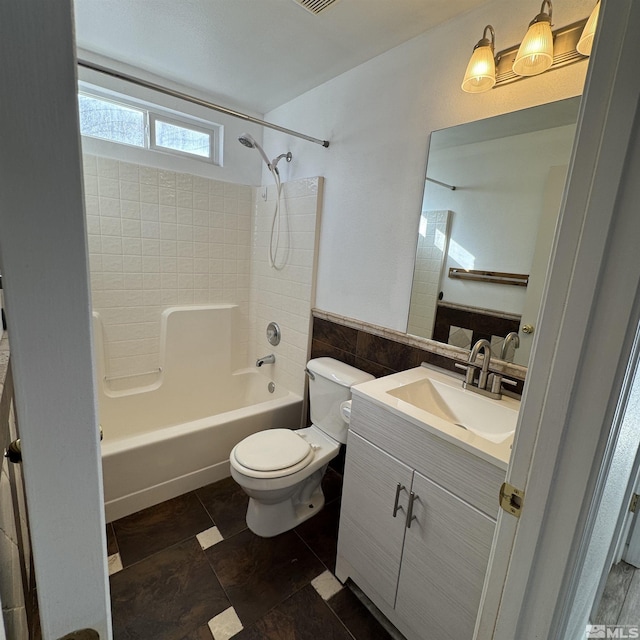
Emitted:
pixel 330 383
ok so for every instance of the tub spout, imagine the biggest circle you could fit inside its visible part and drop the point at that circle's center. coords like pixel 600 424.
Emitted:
pixel 270 359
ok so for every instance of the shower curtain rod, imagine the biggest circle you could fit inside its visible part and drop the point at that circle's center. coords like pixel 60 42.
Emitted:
pixel 442 184
pixel 198 101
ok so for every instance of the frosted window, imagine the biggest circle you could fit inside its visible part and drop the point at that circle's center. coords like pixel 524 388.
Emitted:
pixel 179 138
pixel 111 121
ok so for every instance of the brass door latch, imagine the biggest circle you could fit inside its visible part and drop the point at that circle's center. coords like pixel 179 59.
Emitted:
pixel 511 499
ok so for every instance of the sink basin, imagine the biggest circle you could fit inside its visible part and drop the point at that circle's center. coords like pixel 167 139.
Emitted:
pixel 494 420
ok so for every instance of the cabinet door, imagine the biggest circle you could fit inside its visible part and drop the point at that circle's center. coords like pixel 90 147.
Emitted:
pixel 370 538
pixel 446 552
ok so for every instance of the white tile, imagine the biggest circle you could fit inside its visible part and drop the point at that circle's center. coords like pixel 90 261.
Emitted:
pixel 167 179
pixel 90 164
pixel 200 185
pixel 149 212
pixel 131 228
pixel 129 172
pixel 90 185
pixel 130 191
pixel 108 187
pixel 111 245
pixel 184 181
pixel 108 168
pixel 209 537
pixel 168 248
pixel 149 193
pixel 148 175
pixel 225 625
pixel 150 229
pixel 110 207
pixel 130 209
pixel 167 197
pixel 150 247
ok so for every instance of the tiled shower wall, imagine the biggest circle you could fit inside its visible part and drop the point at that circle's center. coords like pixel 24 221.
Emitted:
pixel 157 239
pixel 286 295
pixel 432 244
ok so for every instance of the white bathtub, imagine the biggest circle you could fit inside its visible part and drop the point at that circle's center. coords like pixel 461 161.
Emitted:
pixel 176 434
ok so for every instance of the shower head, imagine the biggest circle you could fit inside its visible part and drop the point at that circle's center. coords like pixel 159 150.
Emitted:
pixel 248 141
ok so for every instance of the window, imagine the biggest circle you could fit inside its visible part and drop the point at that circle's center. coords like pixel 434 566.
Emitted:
pixel 173 136
pixel 148 127
pixel 100 118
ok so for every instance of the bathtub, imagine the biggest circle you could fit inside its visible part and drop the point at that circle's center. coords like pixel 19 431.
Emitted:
pixel 175 434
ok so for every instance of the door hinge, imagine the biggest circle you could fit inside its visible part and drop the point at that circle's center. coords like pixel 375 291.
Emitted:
pixel 511 499
pixel 634 503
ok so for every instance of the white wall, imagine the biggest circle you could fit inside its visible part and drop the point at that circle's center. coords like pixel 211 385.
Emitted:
pixel 378 117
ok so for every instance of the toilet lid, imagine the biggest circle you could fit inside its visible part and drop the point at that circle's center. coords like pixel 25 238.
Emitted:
pixel 271 450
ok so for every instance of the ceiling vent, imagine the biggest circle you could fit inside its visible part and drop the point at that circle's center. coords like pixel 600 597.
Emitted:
pixel 316 6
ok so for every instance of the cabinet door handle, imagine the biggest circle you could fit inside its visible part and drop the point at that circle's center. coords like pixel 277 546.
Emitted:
pixel 412 498
pixel 396 506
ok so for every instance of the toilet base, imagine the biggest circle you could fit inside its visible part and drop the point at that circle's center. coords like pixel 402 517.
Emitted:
pixel 268 520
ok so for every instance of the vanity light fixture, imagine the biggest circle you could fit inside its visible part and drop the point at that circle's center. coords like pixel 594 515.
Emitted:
pixel 586 39
pixel 481 70
pixel 535 54
pixel 542 49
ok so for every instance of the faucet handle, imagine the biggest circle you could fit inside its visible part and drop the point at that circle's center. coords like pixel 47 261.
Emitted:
pixel 496 381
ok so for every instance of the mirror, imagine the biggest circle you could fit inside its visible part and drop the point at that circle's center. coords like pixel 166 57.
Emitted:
pixel 509 173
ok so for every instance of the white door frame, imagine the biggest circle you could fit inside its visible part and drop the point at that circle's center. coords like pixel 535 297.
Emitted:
pixel 588 322
pixel 45 275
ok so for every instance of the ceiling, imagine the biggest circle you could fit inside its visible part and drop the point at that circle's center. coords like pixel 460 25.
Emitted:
pixel 254 54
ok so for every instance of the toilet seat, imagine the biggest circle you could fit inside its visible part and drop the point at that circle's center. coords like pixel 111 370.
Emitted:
pixel 272 453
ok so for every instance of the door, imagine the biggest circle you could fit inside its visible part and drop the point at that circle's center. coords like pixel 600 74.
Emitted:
pixel 532 302
pixel 585 340
pixel 45 280
pixel 371 527
pixel 445 557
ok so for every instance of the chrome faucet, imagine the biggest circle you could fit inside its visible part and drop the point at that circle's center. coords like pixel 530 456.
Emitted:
pixel 489 384
pixel 270 359
pixel 484 346
pixel 509 338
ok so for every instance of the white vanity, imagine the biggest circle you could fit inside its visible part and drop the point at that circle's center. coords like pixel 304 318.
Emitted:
pixel 420 498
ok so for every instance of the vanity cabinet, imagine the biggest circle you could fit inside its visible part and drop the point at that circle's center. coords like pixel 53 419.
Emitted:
pixel 413 535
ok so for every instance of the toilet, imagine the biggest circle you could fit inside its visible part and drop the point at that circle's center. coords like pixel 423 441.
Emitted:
pixel 280 469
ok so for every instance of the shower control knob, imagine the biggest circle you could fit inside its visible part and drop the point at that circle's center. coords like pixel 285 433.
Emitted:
pixel 273 334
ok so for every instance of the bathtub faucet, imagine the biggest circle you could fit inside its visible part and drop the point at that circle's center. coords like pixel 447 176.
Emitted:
pixel 270 359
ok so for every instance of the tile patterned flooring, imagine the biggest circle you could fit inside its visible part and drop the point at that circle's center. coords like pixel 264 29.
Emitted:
pixel 189 569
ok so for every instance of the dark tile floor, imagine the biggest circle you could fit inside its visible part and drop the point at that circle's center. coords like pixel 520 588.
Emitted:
pixel 189 569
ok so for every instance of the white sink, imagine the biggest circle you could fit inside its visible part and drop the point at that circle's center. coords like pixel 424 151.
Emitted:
pixel 494 420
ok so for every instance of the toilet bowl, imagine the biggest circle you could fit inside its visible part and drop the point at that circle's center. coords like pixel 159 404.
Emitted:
pixel 281 470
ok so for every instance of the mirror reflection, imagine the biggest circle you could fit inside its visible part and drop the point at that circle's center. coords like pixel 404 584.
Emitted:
pixel 490 205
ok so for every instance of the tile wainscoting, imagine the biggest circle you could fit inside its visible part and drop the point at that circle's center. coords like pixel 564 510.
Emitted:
pixel 381 351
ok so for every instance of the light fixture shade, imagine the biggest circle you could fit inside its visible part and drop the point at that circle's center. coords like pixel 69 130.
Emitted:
pixel 535 54
pixel 481 71
pixel 588 33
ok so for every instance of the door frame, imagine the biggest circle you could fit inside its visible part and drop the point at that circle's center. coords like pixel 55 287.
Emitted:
pixel 48 306
pixel 580 356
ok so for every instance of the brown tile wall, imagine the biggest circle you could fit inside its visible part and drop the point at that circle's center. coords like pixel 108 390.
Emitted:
pixel 482 324
pixel 374 354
